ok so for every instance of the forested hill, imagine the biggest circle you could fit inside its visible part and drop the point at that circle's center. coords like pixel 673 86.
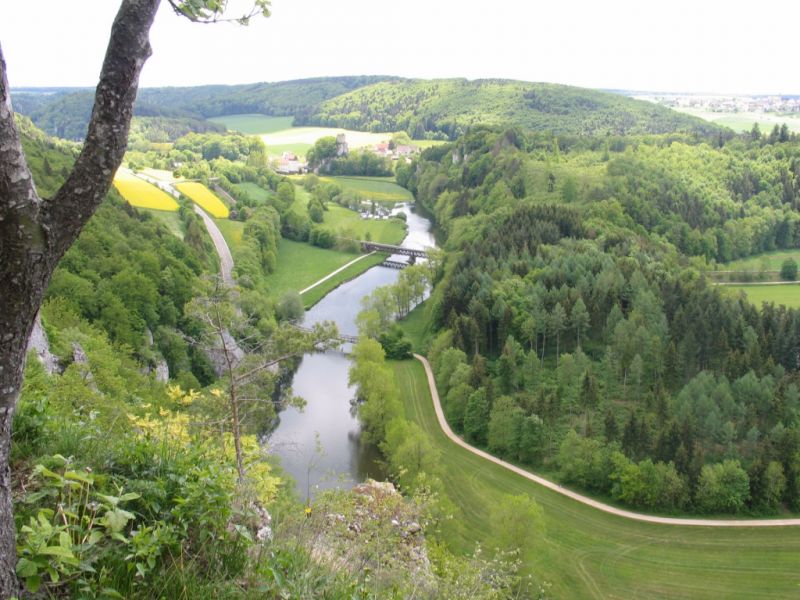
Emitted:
pixel 65 112
pixel 442 108
pixel 576 334
pixel 450 106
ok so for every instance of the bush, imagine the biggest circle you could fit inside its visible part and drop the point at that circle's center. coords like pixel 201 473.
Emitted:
pixel 789 270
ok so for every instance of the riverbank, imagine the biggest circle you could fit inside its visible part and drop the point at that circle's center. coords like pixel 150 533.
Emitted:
pixel 590 553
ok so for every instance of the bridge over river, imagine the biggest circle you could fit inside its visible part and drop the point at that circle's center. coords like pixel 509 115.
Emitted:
pixel 390 249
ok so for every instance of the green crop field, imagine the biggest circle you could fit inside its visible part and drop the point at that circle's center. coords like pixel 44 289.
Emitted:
pixel 300 139
pixel 254 124
pixel 772 261
pixel 788 294
pixel 254 191
pixel 585 553
pixel 381 189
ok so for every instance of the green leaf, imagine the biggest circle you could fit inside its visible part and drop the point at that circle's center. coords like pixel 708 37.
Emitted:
pixel 57 551
pixel 33 583
pixel 129 496
pixel 54 577
pixel 111 593
pixel 26 568
pixel 117 519
pixel 64 540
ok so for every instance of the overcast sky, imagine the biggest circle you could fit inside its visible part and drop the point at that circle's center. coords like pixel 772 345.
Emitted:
pixel 679 45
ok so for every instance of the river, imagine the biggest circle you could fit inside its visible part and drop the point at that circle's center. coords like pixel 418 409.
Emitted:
pixel 319 446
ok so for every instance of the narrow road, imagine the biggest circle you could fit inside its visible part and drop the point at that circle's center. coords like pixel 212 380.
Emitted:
pixel 579 497
pixel 332 273
pixel 225 257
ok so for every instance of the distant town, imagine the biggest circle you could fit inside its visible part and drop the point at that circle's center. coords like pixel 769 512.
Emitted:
pixel 726 104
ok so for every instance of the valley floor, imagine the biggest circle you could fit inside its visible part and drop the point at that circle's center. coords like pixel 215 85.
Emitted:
pixel 586 553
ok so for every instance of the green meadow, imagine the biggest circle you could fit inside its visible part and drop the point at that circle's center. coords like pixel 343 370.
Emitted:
pixel 300 264
pixel 787 294
pixel 585 553
pixel 254 191
pixel 254 124
pixel 771 261
pixel 381 189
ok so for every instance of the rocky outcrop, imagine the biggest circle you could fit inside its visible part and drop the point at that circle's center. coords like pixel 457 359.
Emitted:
pixel 39 343
pixel 376 529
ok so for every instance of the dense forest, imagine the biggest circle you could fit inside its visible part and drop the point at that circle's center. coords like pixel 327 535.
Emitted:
pixel 577 332
pixel 447 108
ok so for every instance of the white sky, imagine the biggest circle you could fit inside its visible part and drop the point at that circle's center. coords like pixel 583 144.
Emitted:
pixel 674 45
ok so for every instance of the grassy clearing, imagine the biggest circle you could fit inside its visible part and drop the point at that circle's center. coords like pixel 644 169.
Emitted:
pixel 232 231
pixel 381 189
pixel 300 139
pixel 141 194
pixel 311 297
pixel 417 327
pixel 300 265
pixel 589 554
pixel 171 219
pixel 254 124
pixel 160 174
pixel 348 223
pixel 254 191
pixel 788 294
pixel 772 261
pixel 205 198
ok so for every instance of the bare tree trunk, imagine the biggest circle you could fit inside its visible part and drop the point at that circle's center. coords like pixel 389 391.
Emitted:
pixel 35 233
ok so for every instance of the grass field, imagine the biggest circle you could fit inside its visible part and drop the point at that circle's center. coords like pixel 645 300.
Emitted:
pixel 417 327
pixel 160 174
pixel 169 218
pixel 744 121
pixel 771 260
pixel 589 554
pixel 311 297
pixel 204 198
pixel 788 294
pixel 141 194
pixel 380 189
pixel 348 223
pixel 254 124
pixel 300 265
pixel 254 191
pixel 232 231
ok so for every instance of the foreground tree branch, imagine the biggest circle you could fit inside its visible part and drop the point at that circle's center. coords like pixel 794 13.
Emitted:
pixel 34 234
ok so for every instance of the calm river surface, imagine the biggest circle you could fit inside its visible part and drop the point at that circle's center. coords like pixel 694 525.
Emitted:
pixel 319 446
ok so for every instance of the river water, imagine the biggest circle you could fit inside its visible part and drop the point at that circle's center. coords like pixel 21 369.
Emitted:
pixel 319 446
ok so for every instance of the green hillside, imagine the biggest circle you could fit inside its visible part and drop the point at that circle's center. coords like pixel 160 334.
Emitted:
pixel 449 106
pixel 441 108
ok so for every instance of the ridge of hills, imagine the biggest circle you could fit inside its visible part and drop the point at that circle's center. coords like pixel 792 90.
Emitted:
pixel 436 108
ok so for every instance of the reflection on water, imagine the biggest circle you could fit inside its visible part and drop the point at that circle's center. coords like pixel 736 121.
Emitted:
pixel 319 446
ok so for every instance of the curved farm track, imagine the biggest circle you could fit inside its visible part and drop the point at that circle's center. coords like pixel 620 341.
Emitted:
pixel 627 514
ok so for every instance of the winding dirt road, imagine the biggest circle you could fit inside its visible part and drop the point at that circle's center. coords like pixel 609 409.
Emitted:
pixel 224 253
pixel 585 499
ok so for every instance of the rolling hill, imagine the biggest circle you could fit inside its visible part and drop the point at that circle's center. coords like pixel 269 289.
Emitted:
pixel 437 108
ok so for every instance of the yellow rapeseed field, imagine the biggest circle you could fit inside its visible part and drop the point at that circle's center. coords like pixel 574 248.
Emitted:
pixel 204 197
pixel 141 194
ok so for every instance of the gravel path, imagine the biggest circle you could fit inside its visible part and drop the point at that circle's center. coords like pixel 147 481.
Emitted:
pixel 585 499
pixel 332 273
pixel 225 257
